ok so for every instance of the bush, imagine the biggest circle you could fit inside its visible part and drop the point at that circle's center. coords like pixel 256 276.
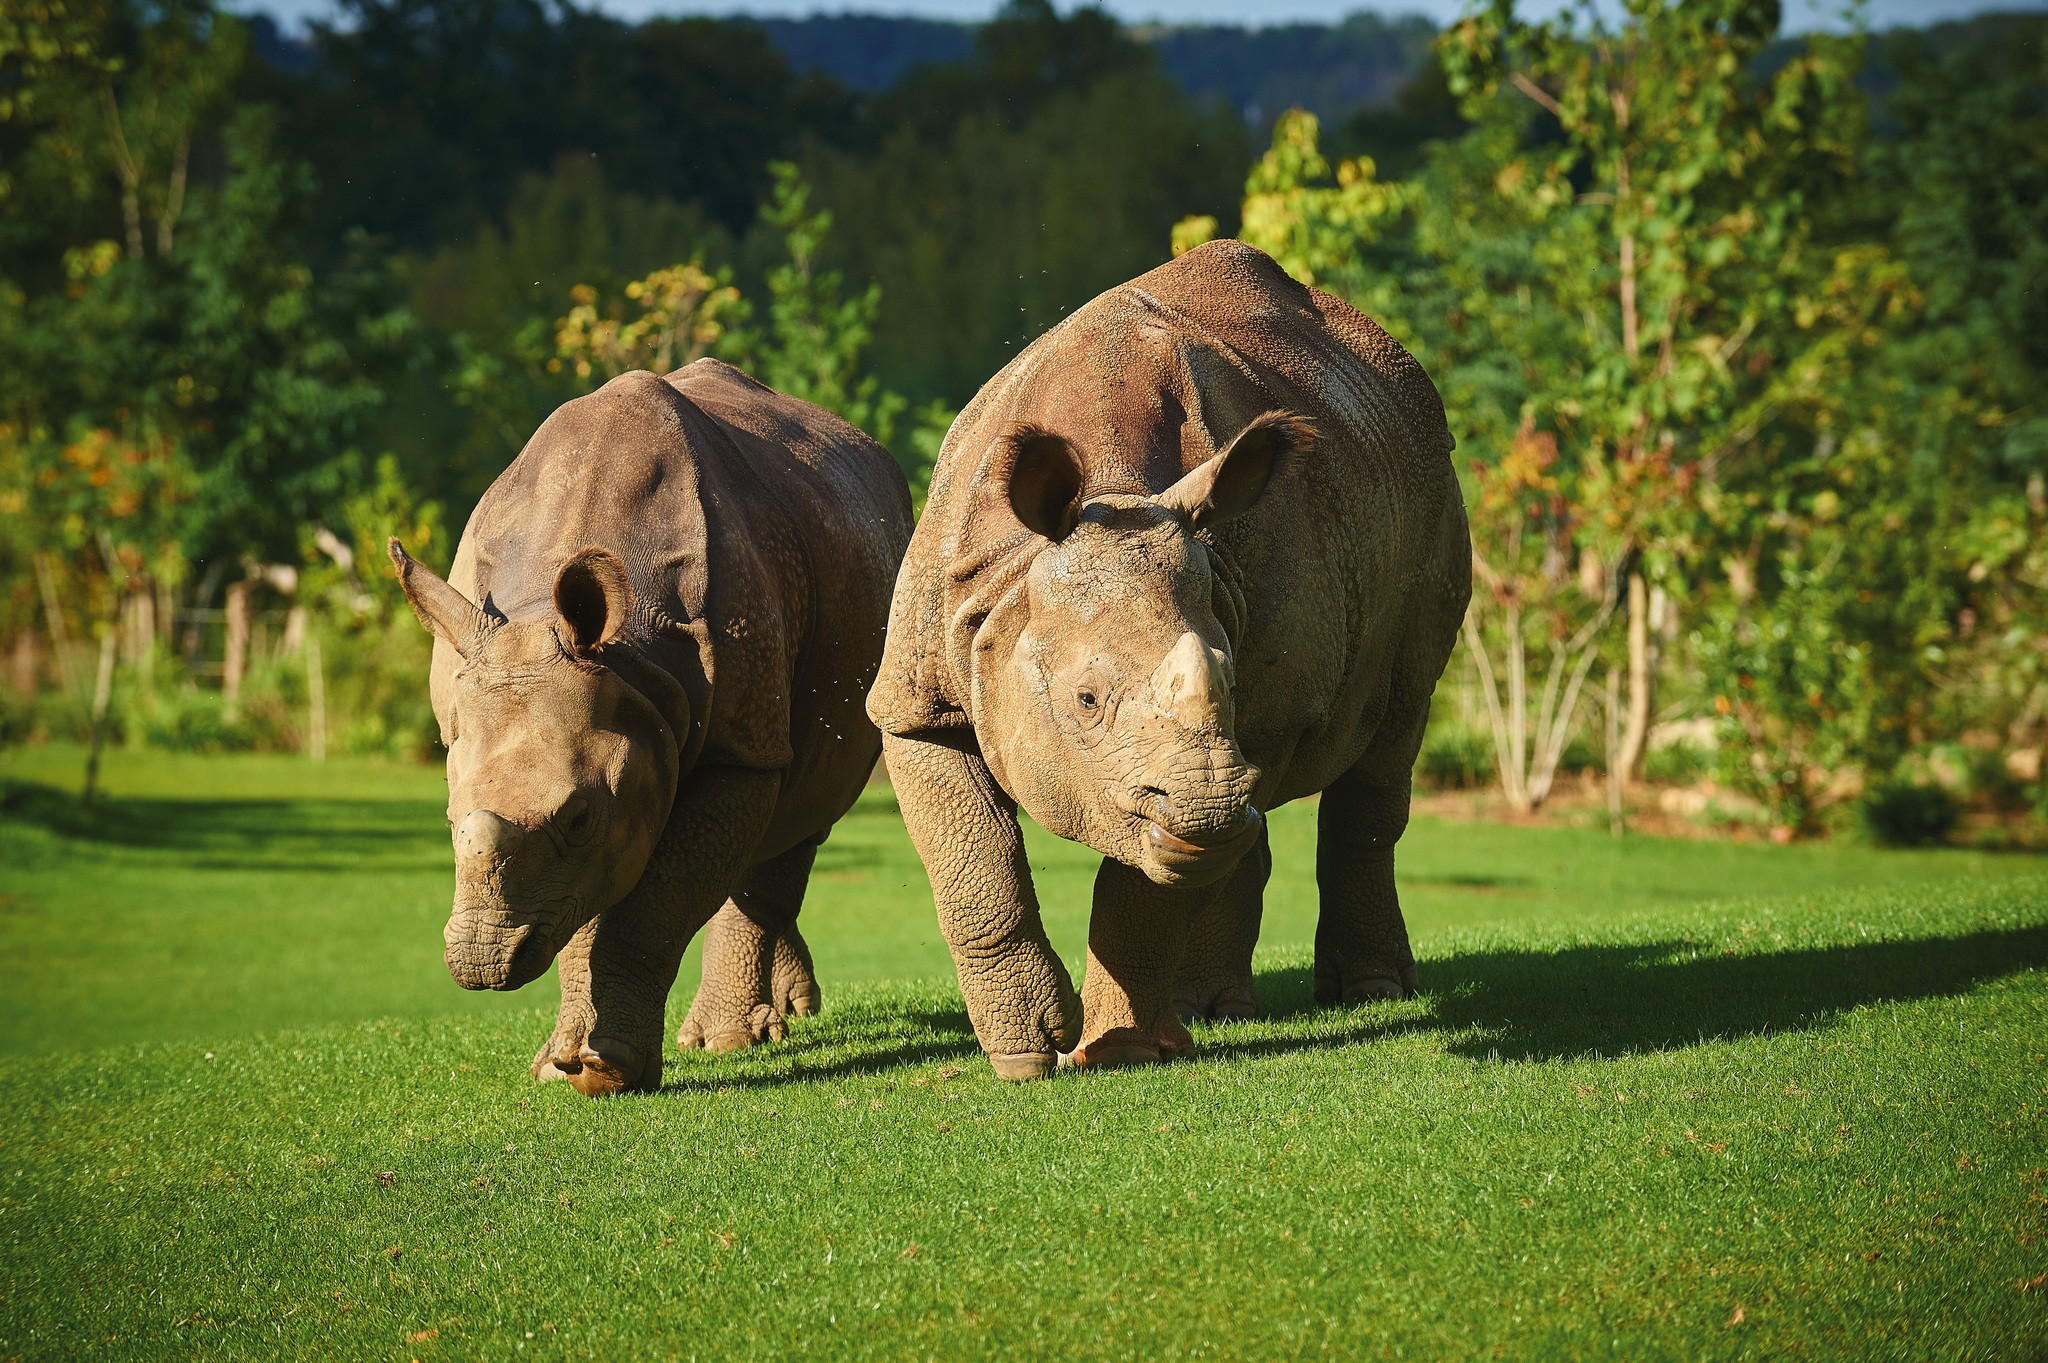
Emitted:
pixel 17 718
pixel 1579 756
pixel 1677 764
pixel 187 719
pixel 1907 814
pixel 1456 758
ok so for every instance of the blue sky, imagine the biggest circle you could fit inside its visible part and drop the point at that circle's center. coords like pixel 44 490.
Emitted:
pixel 1799 14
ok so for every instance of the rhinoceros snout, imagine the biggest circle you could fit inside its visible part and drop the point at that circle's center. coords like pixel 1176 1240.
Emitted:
pixel 497 961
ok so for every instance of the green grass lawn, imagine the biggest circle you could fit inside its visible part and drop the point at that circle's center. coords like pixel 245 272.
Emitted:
pixel 1658 1099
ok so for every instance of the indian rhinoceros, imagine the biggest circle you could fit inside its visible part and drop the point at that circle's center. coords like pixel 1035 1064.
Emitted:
pixel 1195 552
pixel 649 665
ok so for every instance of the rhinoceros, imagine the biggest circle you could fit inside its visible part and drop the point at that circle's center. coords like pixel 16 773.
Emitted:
pixel 1197 551
pixel 650 660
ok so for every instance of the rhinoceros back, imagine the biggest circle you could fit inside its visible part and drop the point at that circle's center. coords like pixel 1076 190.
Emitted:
pixel 1148 381
pixel 761 535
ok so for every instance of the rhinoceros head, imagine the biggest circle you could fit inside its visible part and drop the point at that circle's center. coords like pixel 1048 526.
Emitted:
pixel 1112 718
pixel 560 773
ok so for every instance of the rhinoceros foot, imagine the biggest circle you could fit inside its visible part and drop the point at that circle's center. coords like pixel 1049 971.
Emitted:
pixel 595 1069
pixel 606 1067
pixel 1346 988
pixel 1122 1046
pixel 1025 1065
pixel 1218 1000
pixel 708 1028
pixel 793 986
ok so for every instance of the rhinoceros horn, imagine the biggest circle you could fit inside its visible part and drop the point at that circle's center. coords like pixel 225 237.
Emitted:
pixel 442 609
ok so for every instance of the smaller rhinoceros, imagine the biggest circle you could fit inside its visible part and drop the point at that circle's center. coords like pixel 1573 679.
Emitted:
pixel 1196 552
pixel 649 665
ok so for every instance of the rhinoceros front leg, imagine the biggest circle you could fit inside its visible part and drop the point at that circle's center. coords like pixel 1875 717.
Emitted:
pixel 635 946
pixel 1018 995
pixel 1362 951
pixel 753 957
pixel 1215 978
pixel 572 1023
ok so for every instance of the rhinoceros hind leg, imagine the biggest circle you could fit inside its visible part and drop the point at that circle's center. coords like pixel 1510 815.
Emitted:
pixel 1215 977
pixel 756 967
pixel 794 986
pixel 1135 938
pixel 1362 951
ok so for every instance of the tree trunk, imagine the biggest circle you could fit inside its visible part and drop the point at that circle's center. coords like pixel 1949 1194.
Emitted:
pixel 24 668
pixel 60 634
pixel 237 659
pixel 1642 680
pixel 139 627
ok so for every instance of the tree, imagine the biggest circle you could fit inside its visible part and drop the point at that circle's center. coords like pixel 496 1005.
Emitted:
pixel 990 199
pixel 1614 278
pixel 815 340
pixel 812 343
pixel 176 384
pixel 1675 190
pixel 422 117
pixel 1884 539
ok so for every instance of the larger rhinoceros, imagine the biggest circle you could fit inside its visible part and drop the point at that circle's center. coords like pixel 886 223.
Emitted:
pixel 649 664
pixel 1196 552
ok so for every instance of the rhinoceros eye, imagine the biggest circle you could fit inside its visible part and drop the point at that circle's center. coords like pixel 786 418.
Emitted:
pixel 1086 699
pixel 574 819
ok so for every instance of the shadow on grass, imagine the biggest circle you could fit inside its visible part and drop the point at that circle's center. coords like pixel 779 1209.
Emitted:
pixel 923 1031
pixel 231 835
pixel 1656 995
pixel 1524 1005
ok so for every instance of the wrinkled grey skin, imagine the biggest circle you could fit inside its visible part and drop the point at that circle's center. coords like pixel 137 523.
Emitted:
pixel 649 663
pixel 1198 551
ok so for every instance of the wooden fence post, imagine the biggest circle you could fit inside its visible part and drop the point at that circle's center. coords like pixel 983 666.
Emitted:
pixel 102 693
pixel 316 696
pixel 1616 819
pixel 237 659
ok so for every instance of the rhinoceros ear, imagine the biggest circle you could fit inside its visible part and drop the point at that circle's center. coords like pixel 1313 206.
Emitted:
pixel 1230 483
pixel 1044 482
pixel 595 598
pixel 442 609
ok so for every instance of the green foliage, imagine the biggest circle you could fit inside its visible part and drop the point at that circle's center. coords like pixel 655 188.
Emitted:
pixel 813 341
pixel 1691 319
pixel 187 719
pixel 17 717
pixel 1698 315
pixel 1456 757
pixel 374 655
pixel 1677 764
pixel 1908 814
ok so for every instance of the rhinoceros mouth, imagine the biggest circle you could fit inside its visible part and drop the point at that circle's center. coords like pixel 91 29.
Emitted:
pixel 1177 859
pixel 508 962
